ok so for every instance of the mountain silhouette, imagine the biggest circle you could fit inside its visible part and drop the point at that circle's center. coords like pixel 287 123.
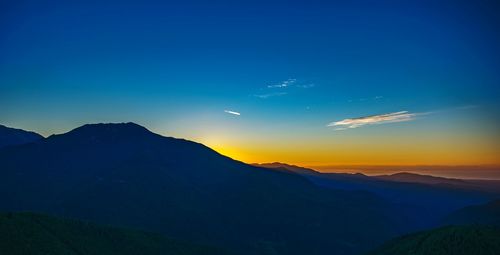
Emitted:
pixel 13 136
pixel 419 178
pixel 288 167
pixel 125 175
pixel 28 233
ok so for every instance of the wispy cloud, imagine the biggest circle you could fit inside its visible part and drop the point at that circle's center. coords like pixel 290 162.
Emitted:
pixel 282 84
pixel 401 116
pixel 232 112
pixel 268 95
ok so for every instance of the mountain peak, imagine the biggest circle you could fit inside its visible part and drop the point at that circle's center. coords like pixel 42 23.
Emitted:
pixel 108 131
pixel 419 178
pixel 111 127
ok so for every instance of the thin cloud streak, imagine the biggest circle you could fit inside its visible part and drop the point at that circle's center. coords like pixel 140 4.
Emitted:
pixel 232 112
pixel 268 95
pixel 401 116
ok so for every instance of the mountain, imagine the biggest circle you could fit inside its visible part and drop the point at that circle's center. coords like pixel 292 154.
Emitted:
pixel 125 175
pixel 451 240
pixel 419 178
pixel 28 233
pixel 13 136
pixel 308 172
pixel 287 167
pixel 485 214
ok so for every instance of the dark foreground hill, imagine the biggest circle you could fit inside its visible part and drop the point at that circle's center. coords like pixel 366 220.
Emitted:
pixel 451 240
pixel 13 136
pixel 34 234
pixel 125 175
pixel 485 214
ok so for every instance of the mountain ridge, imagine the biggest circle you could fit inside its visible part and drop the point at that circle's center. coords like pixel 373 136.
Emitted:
pixel 403 177
pixel 14 136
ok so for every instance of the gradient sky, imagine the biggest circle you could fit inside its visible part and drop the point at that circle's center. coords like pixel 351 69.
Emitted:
pixel 303 82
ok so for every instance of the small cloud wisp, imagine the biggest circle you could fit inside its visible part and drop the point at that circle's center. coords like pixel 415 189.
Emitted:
pixel 268 95
pixel 232 112
pixel 401 116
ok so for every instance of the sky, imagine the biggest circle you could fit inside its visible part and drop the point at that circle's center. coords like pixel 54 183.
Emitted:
pixel 316 83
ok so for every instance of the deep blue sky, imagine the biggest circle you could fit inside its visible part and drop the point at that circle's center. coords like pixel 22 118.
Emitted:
pixel 175 67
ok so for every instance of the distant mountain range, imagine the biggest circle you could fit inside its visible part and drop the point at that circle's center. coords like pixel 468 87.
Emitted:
pixel 422 199
pixel 419 178
pixel 471 184
pixel 33 234
pixel 124 175
pixel 13 136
